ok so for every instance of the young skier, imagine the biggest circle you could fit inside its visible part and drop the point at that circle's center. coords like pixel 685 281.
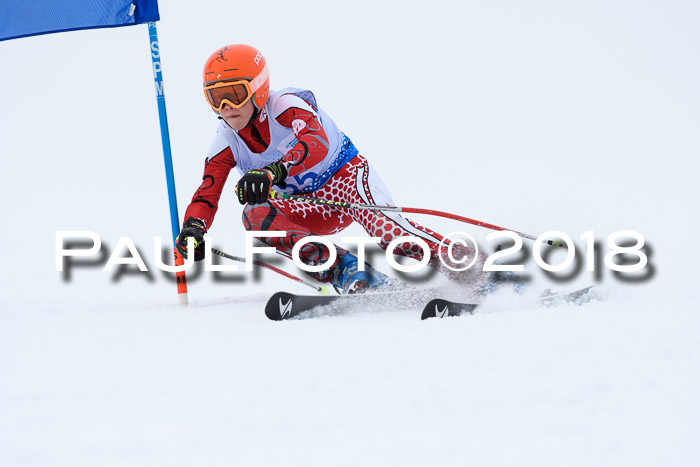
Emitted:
pixel 282 140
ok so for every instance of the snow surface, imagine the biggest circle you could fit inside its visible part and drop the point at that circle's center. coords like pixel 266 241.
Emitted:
pixel 571 117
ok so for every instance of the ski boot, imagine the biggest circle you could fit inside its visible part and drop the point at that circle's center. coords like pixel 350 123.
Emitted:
pixel 346 278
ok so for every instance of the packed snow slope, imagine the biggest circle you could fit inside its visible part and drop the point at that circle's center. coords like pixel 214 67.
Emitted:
pixel 535 117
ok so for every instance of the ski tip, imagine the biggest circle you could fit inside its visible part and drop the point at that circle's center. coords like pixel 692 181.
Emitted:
pixel 429 310
pixel 276 306
pixel 439 308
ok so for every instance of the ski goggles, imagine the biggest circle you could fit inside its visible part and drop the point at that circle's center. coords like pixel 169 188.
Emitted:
pixel 234 93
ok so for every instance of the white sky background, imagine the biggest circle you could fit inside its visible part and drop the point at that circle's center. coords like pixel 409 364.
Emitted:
pixel 531 115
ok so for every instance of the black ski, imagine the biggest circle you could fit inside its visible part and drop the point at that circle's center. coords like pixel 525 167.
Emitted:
pixel 283 305
pixel 440 308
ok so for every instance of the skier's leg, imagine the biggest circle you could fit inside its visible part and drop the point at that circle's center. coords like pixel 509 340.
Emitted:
pixel 301 220
pixel 362 184
pixel 282 215
pixel 357 182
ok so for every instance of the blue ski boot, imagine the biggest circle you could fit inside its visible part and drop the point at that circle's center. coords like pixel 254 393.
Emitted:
pixel 348 280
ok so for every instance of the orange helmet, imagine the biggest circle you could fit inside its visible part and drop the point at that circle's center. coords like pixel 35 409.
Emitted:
pixel 234 74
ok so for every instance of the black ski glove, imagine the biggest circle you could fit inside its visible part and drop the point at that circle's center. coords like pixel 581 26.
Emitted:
pixel 192 228
pixel 254 186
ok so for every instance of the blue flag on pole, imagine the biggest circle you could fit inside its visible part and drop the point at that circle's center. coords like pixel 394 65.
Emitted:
pixel 22 18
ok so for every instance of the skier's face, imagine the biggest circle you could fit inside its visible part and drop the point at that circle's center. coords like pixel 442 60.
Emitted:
pixel 237 118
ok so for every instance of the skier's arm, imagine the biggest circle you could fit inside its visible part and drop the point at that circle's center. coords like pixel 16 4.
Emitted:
pixel 311 148
pixel 205 201
pixel 312 143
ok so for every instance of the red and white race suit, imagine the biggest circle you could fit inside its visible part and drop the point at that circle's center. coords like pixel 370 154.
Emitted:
pixel 322 163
